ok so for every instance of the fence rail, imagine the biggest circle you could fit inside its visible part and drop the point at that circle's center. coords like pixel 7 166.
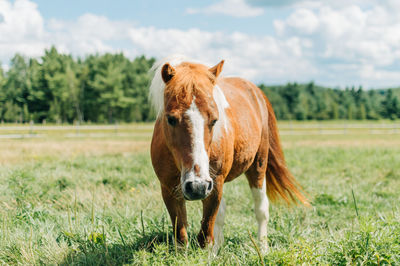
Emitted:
pixel 144 130
pixel 339 126
pixel 289 128
pixel 71 127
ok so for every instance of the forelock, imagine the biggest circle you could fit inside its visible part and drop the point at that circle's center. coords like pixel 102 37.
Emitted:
pixel 189 80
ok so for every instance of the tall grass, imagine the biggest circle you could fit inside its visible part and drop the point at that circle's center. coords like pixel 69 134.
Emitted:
pixel 106 209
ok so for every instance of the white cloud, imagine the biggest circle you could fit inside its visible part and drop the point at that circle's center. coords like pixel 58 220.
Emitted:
pixel 234 8
pixel 368 38
pixel 309 22
pixel 246 56
pixel 312 3
pixel 89 34
pixel 21 29
pixel 331 45
pixel 368 71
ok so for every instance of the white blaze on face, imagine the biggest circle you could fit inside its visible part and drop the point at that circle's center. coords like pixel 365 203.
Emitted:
pixel 199 153
pixel 223 122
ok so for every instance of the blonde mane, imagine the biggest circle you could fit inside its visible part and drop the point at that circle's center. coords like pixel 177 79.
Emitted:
pixel 157 86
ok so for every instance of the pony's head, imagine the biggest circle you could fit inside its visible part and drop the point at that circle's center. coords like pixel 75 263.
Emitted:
pixel 189 114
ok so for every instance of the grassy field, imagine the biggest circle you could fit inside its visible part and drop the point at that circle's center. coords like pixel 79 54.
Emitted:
pixel 91 197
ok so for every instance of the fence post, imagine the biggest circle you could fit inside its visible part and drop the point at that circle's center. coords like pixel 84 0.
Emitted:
pixel 77 128
pixel 31 128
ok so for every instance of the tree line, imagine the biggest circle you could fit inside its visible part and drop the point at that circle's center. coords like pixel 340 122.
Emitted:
pixel 58 88
pixel 311 102
pixel 111 88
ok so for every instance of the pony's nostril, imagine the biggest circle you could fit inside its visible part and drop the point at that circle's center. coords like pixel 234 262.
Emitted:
pixel 188 188
pixel 210 186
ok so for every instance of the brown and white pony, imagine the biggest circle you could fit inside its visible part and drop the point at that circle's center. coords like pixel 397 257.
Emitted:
pixel 210 130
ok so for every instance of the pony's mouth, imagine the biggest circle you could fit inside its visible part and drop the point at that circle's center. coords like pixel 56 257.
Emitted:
pixel 192 199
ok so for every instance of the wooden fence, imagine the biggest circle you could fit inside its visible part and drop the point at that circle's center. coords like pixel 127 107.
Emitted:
pixel 285 128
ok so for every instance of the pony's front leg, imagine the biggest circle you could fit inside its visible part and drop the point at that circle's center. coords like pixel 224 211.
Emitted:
pixel 210 211
pixel 177 211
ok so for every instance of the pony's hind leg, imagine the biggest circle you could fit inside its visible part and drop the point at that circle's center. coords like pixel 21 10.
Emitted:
pixel 218 227
pixel 261 208
pixel 256 177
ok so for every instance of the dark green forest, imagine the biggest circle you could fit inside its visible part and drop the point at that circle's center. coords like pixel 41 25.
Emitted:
pixel 110 88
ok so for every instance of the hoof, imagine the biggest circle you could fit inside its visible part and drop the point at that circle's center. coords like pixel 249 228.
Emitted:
pixel 263 246
pixel 204 241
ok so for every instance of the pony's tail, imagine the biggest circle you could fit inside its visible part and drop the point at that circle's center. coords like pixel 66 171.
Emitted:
pixel 280 182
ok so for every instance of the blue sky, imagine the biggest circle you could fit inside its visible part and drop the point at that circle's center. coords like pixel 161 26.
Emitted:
pixel 332 42
pixel 162 14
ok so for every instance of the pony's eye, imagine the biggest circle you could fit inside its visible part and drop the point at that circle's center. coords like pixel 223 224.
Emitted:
pixel 213 122
pixel 172 120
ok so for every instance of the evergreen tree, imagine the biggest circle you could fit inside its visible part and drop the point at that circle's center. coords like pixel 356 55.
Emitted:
pixel 2 94
pixel 391 106
pixel 15 90
pixel 111 87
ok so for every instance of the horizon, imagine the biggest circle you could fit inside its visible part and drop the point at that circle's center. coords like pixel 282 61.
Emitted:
pixel 352 86
pixel 335 44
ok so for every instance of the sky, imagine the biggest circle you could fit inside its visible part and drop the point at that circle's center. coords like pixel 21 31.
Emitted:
pixel 335 43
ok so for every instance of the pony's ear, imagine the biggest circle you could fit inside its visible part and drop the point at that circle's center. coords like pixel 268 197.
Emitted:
pixel 216 70
pixel 167 72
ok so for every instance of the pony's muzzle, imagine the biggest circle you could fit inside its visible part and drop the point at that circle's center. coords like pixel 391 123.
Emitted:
pixel 197 189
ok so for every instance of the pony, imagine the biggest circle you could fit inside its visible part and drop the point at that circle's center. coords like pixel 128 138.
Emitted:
pixel 209 130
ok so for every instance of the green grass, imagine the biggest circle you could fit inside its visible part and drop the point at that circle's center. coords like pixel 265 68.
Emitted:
pixel 106 208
